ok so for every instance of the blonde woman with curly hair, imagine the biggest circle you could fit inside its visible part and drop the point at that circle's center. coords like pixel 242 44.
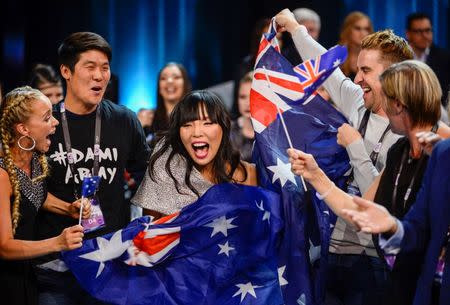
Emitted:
pixel 26 122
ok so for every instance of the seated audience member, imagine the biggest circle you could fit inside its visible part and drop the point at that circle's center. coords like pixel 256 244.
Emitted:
pixel 355 28
pixel 194 153
pixel 413 105
pixel 419 32
pixel 45 79
pixel 173 84
pixel 242 134
pixel 26 122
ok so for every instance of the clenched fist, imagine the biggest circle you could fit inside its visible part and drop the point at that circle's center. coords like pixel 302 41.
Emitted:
pixel 347 135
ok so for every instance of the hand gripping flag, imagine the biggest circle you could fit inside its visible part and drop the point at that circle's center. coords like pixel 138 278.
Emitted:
pixel 219 250
pixel 280 91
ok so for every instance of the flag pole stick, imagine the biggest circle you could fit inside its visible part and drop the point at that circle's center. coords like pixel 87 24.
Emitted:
pixel 284 125
pixel 81 210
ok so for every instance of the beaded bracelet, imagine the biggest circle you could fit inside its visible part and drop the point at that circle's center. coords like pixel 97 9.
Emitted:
pixel 324 195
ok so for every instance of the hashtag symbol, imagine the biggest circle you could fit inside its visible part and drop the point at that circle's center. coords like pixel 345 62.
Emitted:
pixel 59 156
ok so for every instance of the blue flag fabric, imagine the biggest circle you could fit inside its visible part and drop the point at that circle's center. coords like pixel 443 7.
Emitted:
pixel 219 250
pixel 278 89
pixel 237 244
pixel 89 186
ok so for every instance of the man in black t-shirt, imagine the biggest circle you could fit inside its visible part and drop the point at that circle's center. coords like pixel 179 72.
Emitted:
pixel 118 144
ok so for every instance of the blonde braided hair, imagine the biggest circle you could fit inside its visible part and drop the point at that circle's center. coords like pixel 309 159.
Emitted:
pixel 16 108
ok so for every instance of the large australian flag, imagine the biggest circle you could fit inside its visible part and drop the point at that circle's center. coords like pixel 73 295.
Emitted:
pixel 281 91
pixel 219 250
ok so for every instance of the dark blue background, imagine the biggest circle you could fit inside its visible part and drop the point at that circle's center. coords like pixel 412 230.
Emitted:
pixel 208 37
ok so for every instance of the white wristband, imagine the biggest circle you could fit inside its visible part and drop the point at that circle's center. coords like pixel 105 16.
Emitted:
pixel 324 195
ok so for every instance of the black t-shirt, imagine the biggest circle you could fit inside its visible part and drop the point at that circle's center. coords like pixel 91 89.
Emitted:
pixel 384 192
pixel 122 146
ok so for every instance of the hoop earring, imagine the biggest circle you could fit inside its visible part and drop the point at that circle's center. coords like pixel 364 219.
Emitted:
pixel 26 148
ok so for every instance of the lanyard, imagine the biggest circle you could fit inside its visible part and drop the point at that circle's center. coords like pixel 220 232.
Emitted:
pixel 411 183
pixel 376 150
pixel 68 144
pixel 362 130
pixel 397 178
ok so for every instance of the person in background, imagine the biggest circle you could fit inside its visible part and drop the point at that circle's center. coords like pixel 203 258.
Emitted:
pixel 26 122
pixel 310 19
pixel 419 32
pixel 355 28
pixel 145 117
pixel 45 79
pixel 242 133
pixel 173 84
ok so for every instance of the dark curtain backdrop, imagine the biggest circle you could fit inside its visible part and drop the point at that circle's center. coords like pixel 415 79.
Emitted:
pixel 208 37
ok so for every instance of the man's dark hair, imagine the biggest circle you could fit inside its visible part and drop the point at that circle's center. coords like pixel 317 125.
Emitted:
pixel 415 16
pixel 70 49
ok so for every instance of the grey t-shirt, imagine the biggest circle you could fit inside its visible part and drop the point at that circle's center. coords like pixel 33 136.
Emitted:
pixel 348 98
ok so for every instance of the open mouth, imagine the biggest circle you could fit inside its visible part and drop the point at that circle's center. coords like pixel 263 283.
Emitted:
pixel 200 149
pixel 50 134
pixel 96 89
pixel 366 89
pixel 171 90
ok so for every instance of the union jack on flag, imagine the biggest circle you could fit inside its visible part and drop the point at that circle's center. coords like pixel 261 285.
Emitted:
pixel 276 84
pixel 217 250
pixel 309 73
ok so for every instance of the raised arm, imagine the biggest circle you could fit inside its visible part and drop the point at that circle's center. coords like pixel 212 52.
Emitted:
pixel 431 200
pixel 344 93
pixel 303 164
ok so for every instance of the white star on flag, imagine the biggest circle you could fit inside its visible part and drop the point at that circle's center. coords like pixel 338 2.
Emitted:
pixel 221 225
pixel 283 172
pixel 225 249
pixel 281 279
pixel 336 63
pixel 244 289
pixel 266 215
pixel 107 250
pixel 302 300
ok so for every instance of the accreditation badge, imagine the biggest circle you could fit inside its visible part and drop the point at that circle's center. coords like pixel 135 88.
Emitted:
pixel 96 220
